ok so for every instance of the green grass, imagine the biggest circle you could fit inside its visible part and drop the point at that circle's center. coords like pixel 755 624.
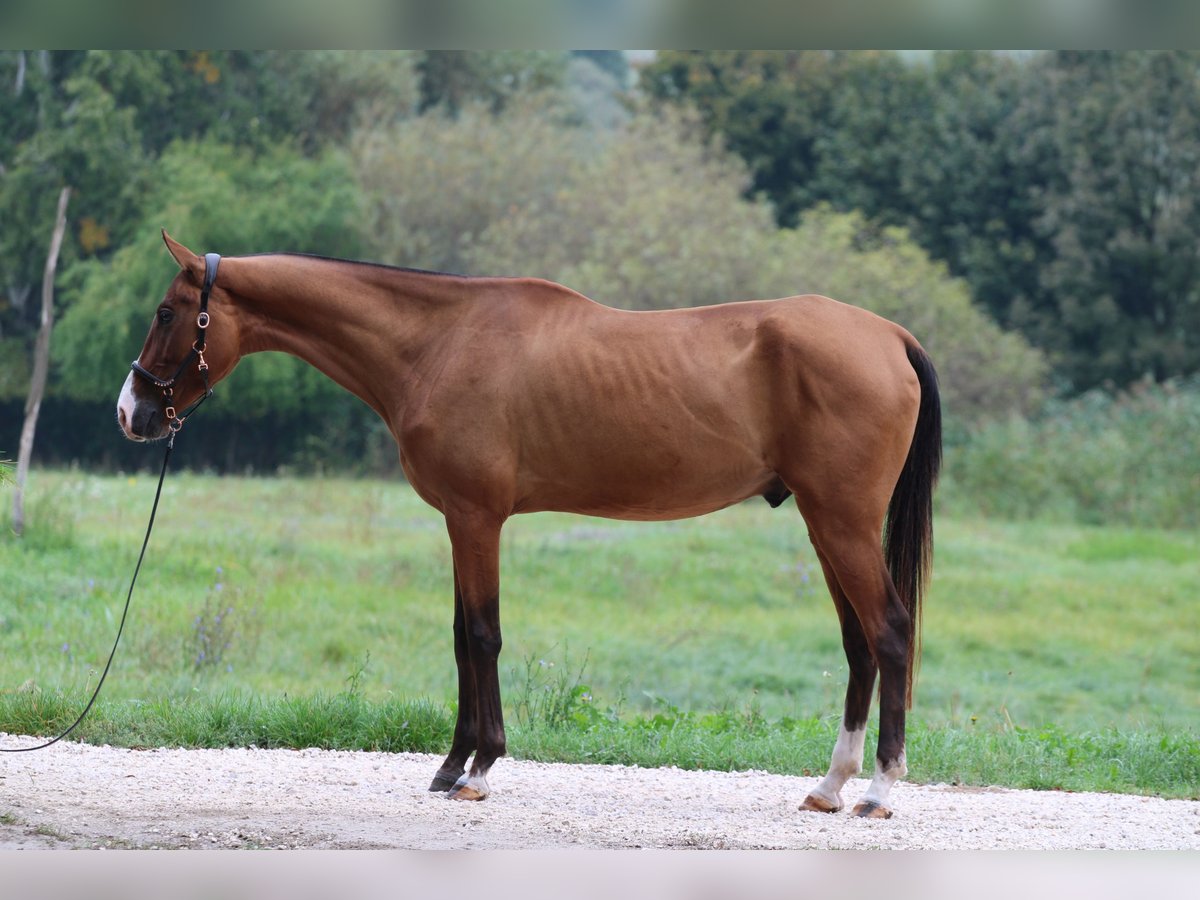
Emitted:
pixel 317 612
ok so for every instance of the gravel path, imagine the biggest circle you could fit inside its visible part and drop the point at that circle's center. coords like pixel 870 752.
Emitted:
pixel 77 795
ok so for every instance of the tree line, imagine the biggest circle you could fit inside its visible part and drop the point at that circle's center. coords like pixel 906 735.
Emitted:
pixel 990 218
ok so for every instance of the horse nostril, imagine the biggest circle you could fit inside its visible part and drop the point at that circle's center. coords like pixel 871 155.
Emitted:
pixel 122 420
pixel 144 421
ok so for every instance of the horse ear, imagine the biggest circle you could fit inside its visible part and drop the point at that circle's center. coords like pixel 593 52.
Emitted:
pixel 188 261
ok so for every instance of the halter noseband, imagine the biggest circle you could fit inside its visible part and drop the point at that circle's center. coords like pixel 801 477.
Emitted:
pixel 211 262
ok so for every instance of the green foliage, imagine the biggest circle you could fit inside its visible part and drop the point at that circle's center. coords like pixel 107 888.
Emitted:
pixel 1118 216
pixel 453 79
pixel 1097 458
pixel 554 696
pixel 650 220
pixel 79 138
pixel 251 98
pixel 433 184
pixel 813 126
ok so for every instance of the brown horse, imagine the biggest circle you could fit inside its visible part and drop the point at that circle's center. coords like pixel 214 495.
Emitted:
pixel 514 395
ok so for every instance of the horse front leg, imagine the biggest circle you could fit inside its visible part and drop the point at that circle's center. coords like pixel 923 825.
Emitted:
pixel 475 539
pixel 463 744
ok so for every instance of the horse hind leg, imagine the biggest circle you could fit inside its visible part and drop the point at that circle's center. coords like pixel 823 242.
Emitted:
pixel 856 559
pixel 847 758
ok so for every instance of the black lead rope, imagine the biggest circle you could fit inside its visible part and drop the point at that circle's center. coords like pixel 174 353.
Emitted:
pixel 124 614
pixel 175 422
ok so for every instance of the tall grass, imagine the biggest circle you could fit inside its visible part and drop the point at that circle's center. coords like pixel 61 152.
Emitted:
pixel 1130 458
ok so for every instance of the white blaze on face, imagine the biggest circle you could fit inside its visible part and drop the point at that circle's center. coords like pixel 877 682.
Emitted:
pixel 125 404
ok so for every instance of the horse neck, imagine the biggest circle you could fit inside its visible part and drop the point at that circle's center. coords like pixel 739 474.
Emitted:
pixel 364 326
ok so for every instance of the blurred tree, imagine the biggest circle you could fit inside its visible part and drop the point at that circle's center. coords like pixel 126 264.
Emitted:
pixel 653 219
pixel 433 184
pixel 791 115
pixel 74 135
pixel 451 79
pixel 600 98
pixel 613 62
pixel 1119 294
pixel 970 190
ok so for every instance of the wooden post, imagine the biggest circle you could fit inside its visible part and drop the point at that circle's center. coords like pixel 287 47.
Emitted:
pixel 41 363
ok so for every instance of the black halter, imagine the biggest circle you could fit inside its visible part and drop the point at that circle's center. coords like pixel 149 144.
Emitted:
pixel 211 262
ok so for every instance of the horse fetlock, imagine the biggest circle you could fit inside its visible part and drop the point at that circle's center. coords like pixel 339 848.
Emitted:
pixel 894 769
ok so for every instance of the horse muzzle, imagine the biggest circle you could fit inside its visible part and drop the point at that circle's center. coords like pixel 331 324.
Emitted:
pixel 140 419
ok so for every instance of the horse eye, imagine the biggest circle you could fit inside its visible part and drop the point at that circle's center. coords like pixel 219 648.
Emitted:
pixel 165 316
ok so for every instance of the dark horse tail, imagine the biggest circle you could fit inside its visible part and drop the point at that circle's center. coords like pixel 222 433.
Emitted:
pixel 908 535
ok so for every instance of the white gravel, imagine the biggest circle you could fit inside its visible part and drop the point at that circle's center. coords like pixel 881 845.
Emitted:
pixel 78 795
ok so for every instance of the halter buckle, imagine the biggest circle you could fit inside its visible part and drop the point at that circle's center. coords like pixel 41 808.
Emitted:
pixel 202 320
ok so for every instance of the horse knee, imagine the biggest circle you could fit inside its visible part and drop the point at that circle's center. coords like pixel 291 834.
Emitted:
pixel 485 641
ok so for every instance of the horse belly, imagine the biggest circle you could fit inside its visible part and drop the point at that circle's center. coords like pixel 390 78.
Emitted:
pixel 642 473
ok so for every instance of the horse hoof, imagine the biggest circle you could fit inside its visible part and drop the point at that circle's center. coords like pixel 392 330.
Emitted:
pixel 442 783
pixel 467 788
pixel 869 809
pixel 813 803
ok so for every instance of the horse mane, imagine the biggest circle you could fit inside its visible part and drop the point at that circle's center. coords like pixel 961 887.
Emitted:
pixel 374 265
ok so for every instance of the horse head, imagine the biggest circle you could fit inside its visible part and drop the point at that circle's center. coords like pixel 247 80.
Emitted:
pixel 192 344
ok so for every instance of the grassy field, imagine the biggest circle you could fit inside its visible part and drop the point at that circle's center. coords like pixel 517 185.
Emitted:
pixel 281 591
